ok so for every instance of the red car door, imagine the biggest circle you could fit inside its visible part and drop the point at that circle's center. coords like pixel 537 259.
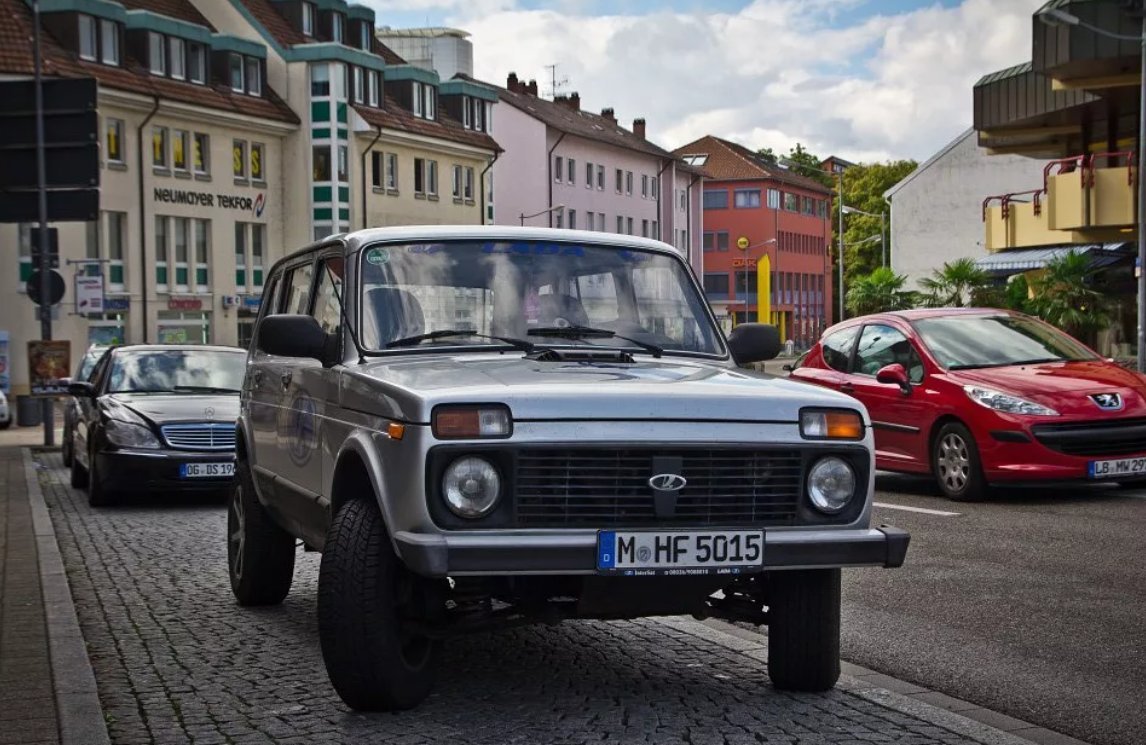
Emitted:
pixel 900 417
pixel 827 363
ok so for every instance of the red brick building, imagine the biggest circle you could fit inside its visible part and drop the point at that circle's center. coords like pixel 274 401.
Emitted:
pixel 754 209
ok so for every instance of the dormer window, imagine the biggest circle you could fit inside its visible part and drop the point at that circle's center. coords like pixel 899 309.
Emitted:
pixel 308 19
pixel 364 36
pixel 98 39
pixel 479 107
pixel 373 87
pixel 428 109
pixel 196 63
pixel 109 42
pixel 336 27
pixel 178 55
pixel 237 74
pixel 254 77
pixel 88 41
pixel 417 99
pixel 157 53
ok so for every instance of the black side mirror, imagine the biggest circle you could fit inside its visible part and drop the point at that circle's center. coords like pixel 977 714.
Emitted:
pixel 754 342
pixel 894 374
pixel 81 389
pixel 290 335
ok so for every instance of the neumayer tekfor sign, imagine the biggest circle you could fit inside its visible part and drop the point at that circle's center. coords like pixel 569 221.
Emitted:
pixel 254 205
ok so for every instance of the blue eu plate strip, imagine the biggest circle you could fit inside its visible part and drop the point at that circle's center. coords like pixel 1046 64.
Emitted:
pixel 606 543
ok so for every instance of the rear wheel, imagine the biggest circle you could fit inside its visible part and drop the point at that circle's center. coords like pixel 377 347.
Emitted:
pixel 804 629
pixel 955 463
pixel 260 554
pixel 364 594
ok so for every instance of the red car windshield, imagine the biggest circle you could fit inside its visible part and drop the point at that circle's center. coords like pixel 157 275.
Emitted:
pixel 965 342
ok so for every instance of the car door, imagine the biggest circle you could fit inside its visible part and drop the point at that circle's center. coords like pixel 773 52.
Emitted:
pixel 899 418
pixel 829 364
pixel 87 412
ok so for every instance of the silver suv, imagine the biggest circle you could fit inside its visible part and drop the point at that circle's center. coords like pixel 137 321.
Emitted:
pixel 482 427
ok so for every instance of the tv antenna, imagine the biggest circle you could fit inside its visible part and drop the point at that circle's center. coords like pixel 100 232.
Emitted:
pixel 555 84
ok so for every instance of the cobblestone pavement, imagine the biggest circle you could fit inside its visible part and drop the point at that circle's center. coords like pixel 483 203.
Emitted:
pixel 177 661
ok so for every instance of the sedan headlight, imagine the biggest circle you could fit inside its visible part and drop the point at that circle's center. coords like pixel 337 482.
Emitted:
pixel 472 487
pixel 831 484
pixel 125 435
pixel 1005 402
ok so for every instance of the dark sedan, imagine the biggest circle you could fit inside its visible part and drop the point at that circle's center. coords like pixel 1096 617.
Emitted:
pixel 157 419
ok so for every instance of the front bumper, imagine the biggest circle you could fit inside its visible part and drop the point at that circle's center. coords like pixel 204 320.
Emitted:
pixel 1016 456
pixel 575 552
pixel 148 470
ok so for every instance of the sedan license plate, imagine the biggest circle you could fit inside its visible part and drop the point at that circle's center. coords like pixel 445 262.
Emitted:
pixel 1108 469
pixel 642 553
pixel 206 470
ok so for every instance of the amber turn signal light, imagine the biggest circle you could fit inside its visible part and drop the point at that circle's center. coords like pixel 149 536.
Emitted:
pixel 464 422
pixel 831 424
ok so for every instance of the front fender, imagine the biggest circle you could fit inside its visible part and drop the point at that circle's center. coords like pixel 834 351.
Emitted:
pixel 366 446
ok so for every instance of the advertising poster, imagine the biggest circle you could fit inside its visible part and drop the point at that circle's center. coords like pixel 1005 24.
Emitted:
pixel 89 294
pixel 5 362
pixel 48 362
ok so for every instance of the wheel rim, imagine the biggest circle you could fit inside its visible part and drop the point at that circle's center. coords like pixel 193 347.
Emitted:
pixel 237 538
pixel 953 461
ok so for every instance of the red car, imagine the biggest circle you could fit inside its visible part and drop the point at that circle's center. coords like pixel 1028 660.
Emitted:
pixel 978 397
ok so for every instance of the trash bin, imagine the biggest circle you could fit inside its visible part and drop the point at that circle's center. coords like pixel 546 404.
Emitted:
pixel 29 411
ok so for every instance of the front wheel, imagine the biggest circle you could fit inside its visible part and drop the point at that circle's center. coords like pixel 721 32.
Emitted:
pixel 67 446
pixel 955 463
pixel 98 494
pixel 804 629
pixel 375 662
pixel 260 554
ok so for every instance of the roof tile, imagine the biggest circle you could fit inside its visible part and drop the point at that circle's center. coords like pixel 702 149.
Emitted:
pixel 393 116
pixel 728 161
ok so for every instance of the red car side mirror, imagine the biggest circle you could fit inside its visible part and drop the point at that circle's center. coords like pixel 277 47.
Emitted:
pixel 894 374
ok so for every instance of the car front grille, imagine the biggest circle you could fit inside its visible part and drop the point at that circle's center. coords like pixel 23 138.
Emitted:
pixel 200 436
pixel 1112 437
pixel 610 487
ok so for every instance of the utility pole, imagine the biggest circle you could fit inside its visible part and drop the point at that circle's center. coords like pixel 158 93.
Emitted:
pixel 47 403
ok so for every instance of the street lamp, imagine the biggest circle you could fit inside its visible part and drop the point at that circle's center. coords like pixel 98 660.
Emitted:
pixel 554 208
pixel 1058 17
pixel 840 176
pixel 882 230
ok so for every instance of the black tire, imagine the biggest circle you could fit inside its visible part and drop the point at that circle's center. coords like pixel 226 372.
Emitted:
pixel 67 445
pixel 79 474
pixel 804 629
pixel 98 494
pixel 373 664
pixel 260 554
pixel 956 465
pixel 6 423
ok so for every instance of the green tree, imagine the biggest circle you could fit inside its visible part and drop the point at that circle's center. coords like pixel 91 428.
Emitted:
pixel 957 284
pixel 1065 297
pixel 806 164
pixel 878 292
pixel 864 186
pixel 767 155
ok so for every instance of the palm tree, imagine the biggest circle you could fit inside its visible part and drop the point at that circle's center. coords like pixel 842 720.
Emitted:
pixel 1065 298
pixel 955 285
pixel 880 291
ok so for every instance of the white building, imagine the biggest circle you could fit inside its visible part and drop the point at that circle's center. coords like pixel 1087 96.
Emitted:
pixel 446 51
pixel 937 210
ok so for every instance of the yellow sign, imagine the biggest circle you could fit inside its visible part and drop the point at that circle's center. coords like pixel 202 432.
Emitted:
pixel 742 243
pixel 764 289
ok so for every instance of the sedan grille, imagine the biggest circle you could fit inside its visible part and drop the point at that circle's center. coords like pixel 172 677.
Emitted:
pixel 610 488
pixel 1113 437
pixel 200 436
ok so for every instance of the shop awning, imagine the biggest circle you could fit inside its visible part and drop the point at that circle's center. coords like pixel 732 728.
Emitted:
pixel 1016 261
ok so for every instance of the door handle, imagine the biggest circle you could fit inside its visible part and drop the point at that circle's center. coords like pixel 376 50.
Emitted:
pixel 847 388
pixel 257 377
pixel 286 377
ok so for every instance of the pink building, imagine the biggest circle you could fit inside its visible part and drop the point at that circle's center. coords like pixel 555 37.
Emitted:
pixel 567 168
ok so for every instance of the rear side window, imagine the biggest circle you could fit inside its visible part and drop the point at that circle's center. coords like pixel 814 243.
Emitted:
pixel 328 297
pixel 838 348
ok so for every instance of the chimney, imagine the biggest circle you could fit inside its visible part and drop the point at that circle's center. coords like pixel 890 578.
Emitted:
pixel 511 83
pixel 531 88
pixel 608 114
pixel 571 101
pixel 639 128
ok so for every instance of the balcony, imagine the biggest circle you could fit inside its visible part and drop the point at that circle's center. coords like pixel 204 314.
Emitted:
pixel 1084 197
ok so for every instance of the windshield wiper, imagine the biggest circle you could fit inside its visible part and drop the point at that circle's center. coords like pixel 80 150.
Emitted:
pixel 204 389
pixel 1016 363
pixel 588 332
pixel 409 341
pixel 143 390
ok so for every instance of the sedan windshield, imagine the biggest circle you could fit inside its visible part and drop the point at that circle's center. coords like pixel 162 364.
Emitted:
pixel 972 341
pixel 177 371
pixel 548 293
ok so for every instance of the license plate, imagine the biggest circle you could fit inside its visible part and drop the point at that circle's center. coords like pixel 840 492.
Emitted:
pixel 1107 469
pixel 206 470
pixel 641 553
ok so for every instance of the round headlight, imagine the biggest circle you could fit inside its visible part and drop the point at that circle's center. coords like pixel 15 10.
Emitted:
pixel 472 487
pixel 831 484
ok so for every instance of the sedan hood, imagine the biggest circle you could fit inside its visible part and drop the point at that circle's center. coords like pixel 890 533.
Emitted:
pixel 1066 387
pixel 666 389
pixel 162 408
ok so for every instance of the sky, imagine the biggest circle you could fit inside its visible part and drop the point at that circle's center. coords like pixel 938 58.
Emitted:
pixel 866 80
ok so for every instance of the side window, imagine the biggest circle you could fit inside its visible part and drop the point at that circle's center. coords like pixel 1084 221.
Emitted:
pixel 97 372
pixel 838 348
pixel 297 300
pixel 880 346
pixel 328 295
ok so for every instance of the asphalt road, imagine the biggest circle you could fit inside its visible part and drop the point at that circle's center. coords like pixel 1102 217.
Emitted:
pixel 1032 603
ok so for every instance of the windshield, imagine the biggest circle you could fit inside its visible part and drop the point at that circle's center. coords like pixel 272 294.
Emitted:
pixel 177 371
pixel 89 361
pixel 966 342
pixel 523 289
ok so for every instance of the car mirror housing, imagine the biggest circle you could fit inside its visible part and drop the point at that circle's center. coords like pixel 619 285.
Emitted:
pixel 81 389
pixel 289 335
pixel 754 342
pixel 894 374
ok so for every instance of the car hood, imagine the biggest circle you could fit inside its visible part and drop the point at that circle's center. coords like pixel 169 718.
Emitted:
pixel 1064 386
pixel 666 389
pixel 161 408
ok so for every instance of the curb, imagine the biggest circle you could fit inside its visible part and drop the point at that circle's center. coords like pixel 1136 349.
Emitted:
pixel 77 699
pixel 960 717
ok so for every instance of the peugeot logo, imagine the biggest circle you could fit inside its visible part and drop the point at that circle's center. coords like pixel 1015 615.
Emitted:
pixel 1107 401
pixel 668 482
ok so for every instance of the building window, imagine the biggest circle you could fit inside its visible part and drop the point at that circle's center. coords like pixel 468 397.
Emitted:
pixel 180 227
pixel 709 241
pixel 417 98
pixel 359 86
pixel 196 63
pixel 790 202
pixel 644 187
pixel 773 199
pixel 432 178
pixel 364 35
pixel 376 170
pixel 716 240
pixel 747 198
pixel 458 183
pixel 239 159
pixel 629 225
pixel 479 107
pixel 601 221
pixel 202 230
pixel 558 168
pixel 808 205
pixel 237 73
pixel 467 121
pixel 559 219
pixel 656 230
pixel 716 200
pixel 392 171
pixel 250 240
pixel 201 157
pixel 588 175
pixel 116 243
pixel 258 151
pixel 178 60
pixel 180 143
pixel 644 228
pixel 572 219
pixel 241 255
pixel 620 180
pixel 420 176
pixel 715 283
pixel 629 183
pixel 114 138
pixel 600 178
pixel 343 164
pixel 159 147
pixel 683 200
pixel 468 191
pixel 336 27
pixel 88 41
pixel 320 79
pixel 109 38
pixel 572 172
pixel 258 242
pixel 620 224
pixel 372 88
pixel 158 56
pixel 656 187
pixel 429 108
pixel 161 253
pixel 308 19
pixel 254 77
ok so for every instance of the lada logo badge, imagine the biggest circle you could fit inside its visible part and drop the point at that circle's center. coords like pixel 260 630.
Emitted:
pixel 1107 401
pixel 668 482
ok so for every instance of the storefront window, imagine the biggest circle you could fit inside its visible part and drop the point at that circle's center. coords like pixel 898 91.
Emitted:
pixel 107 329
pixel 240 255
pixel 176 327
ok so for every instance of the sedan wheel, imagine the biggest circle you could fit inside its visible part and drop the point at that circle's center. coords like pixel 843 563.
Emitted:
pixel 955 462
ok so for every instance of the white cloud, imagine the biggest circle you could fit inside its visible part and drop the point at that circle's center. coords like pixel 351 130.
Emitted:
pixel 775 73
